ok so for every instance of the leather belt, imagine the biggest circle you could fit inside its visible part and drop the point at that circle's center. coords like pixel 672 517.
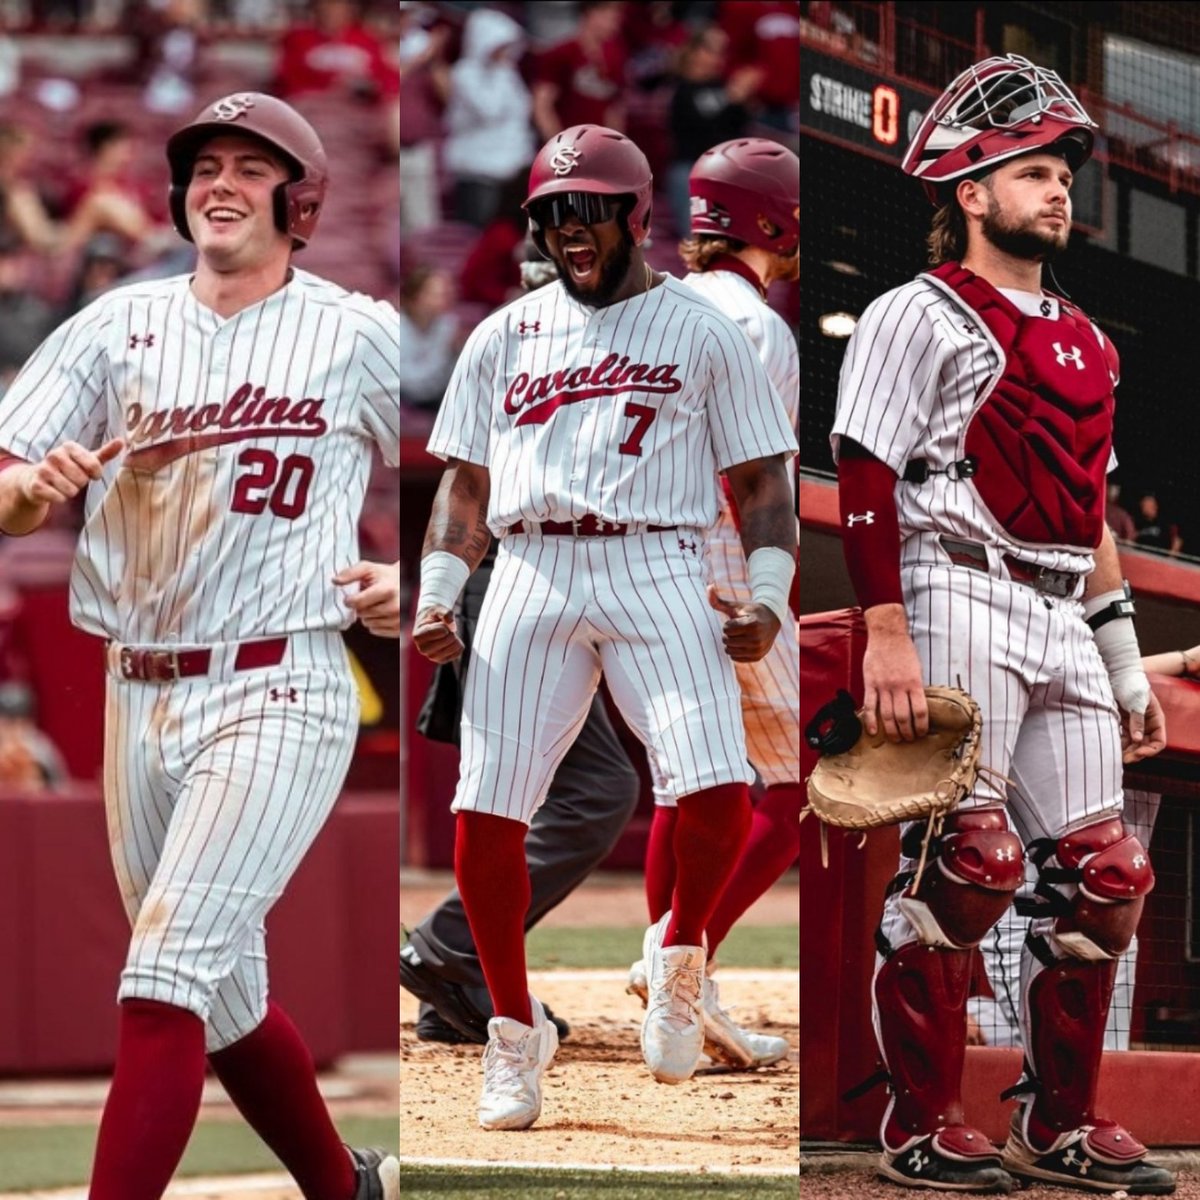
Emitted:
pixel 589 526
pixel 1041 579
pixel 165 666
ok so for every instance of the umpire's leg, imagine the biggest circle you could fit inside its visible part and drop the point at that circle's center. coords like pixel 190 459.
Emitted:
pixel 591 799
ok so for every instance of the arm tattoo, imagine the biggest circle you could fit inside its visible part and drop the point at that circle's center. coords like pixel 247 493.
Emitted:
pixel 458 520
pixel 770 525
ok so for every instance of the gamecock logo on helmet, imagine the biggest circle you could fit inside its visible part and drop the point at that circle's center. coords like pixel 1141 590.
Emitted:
pixel 232 107
pixel 564 160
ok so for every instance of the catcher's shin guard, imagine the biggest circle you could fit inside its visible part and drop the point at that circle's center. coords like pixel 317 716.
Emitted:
pixel 977 868
pixel 919 999
pixel 1092 884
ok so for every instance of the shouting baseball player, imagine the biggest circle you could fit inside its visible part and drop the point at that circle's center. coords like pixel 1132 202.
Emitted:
pixel 223 425
pixel 973 435
pixel 745 235
pixel 584 426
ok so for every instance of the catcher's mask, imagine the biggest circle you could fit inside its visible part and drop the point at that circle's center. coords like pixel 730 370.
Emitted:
pixel 996 110
pixel 284 131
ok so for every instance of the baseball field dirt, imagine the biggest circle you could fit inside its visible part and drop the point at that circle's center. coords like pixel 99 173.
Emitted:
pixel 601 1106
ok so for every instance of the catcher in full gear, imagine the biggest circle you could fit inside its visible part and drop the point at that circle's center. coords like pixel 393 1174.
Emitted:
pixel 973 436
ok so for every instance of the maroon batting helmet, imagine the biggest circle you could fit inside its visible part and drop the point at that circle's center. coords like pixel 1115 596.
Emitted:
pixel 996 110
pixel 591 159
pixel 284 130
pixel 748 189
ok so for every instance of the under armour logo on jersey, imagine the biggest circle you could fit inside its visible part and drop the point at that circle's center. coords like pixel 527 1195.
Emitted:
pixel 529 327
pixel 291 694
pixel 564 160
pixel 969 328
pixel 687 545
pixel 144 339
pixel 867 518
pixel 229 108
pixel 1075 356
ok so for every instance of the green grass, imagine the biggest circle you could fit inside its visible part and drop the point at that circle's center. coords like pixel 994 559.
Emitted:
pixel 61 1155
pixel 432 1183
pixel 752 946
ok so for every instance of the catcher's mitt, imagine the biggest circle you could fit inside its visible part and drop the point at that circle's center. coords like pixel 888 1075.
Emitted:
pixel 875 782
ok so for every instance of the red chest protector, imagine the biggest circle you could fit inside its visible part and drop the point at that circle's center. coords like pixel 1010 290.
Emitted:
pixel 1042 438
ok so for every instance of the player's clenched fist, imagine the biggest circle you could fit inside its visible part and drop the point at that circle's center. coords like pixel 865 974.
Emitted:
pixel 436 636
pixel 750 631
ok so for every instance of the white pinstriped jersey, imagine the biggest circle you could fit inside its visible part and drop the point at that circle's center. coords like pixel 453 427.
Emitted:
pixel 769 333
pixel 248 446
pixel 620 412
pixel 916 368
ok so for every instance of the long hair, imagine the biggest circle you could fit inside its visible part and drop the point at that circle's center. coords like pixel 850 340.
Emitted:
pixel 947 240
pixel 699 250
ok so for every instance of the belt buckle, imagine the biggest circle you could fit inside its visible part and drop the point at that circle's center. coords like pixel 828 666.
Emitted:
pixel 575 527
pixel 172 657
pixel 126 662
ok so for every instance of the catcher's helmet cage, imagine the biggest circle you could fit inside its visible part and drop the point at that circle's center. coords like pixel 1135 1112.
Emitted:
pixel 748 189
pixel 994 111
pixel 284 130
pixel 592 158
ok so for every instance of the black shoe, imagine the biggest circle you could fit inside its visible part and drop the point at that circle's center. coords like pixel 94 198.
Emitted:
pixel 1090 1158
pixel 447 998
pixel 378 1175
pixel 955 1158
pixel 564 1030
pixel 454 1003
pixel 431 1028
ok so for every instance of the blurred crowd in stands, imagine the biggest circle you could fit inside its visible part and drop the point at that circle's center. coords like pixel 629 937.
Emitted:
pixel 484 85
pixel 1148 526
pixel 89 92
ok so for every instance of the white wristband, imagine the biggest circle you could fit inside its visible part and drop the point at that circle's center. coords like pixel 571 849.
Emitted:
pixel 771 571
pixel 442 578
pixel 1118 646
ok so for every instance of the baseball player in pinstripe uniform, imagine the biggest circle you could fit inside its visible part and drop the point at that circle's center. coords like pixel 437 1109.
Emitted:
pixel 222 425
pixel 973 436
pixel 745 236
pixel 584 426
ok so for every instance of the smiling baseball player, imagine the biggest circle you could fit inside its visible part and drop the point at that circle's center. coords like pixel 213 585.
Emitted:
pixel 222 425
pixel 973 435
pixel 584 427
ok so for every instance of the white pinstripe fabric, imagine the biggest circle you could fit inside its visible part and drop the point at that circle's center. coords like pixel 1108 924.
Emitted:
pixel 559 611
pixel 215 790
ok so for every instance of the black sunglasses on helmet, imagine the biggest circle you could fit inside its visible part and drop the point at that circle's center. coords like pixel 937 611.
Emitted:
pixel 591 208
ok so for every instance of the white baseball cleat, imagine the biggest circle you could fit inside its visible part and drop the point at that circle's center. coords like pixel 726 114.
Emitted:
pixel 513 1063
pixel 725 1042
pixel 673 1027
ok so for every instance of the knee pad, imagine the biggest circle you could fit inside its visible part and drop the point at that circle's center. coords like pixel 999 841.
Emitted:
pixel 1112 875
pixel 976 865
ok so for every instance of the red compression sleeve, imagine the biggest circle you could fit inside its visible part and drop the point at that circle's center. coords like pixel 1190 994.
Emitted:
pixel 870 526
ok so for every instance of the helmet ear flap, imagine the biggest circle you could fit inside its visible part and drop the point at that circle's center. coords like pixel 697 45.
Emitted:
pixel 176 197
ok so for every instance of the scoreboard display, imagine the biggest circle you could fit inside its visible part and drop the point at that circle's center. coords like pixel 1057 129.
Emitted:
pixel 865 111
